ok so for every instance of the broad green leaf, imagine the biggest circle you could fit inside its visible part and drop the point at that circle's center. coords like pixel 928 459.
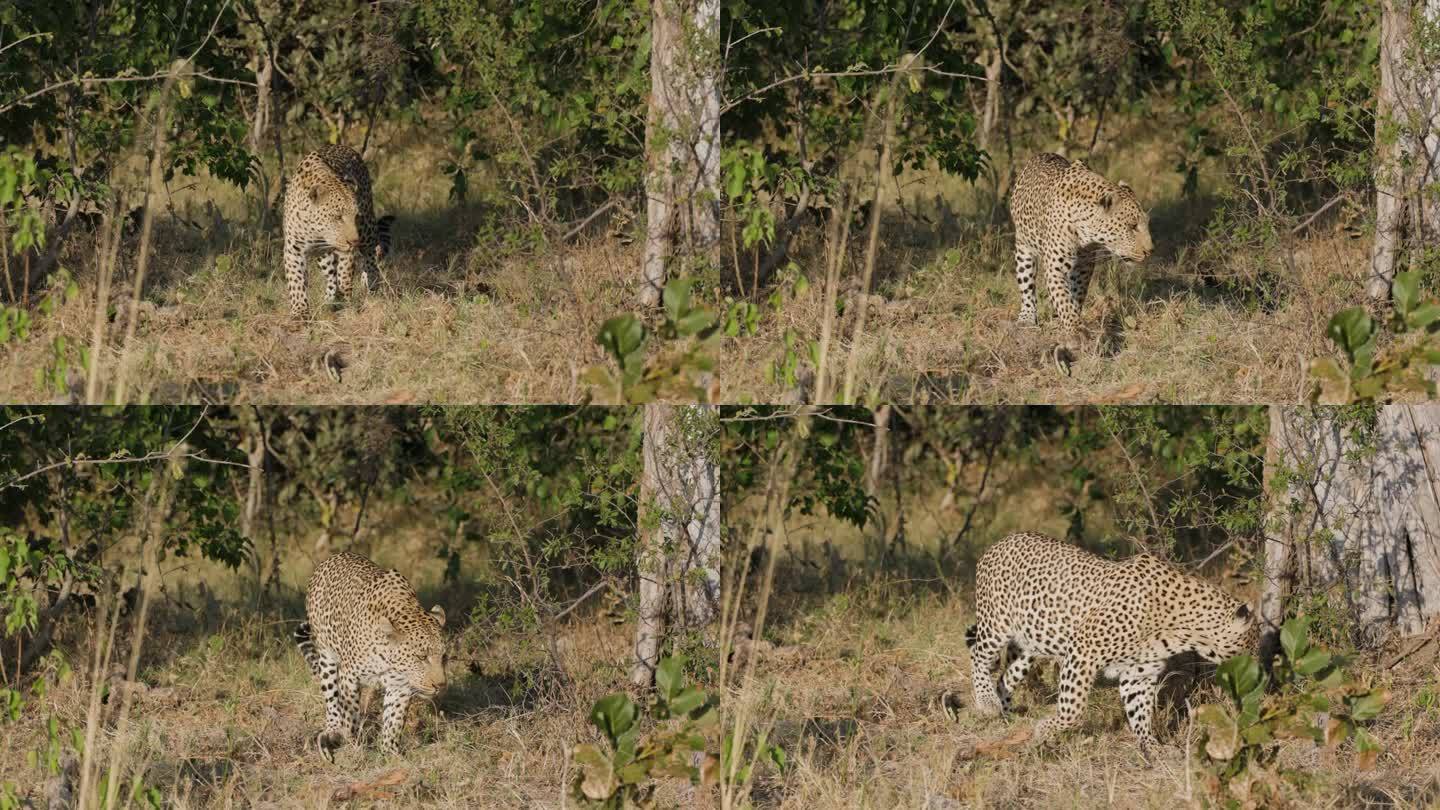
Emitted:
pixel 613 715
pixel 622 336
pixel 676 298
pixel 1367 706
pixel 1239 676
pixel 1351 329
pixel 1405 292
pixel 1423 316
pixel 668 677
pixel 694 322
pixel 688 701
pixel 1312 662
pixel 1293 637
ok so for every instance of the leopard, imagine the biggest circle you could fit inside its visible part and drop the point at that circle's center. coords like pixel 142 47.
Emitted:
pixel 1123 619
pixel 365 627
pixel 329 212
pixel 1067 217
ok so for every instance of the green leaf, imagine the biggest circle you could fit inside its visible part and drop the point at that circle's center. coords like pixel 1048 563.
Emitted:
pixel 1239 676
pixel 688 701
pixel 669 676
pixel 676 298
pixel 1293 637
pixel 1423 316
pixel 634 773
pixel 1312 662
pixel 1405 292
pixel 613 715
pixel 694 322
pixel 1256 734
pixel 735 180
pixel 1351 329
pixel 1368 706
pixel 622 336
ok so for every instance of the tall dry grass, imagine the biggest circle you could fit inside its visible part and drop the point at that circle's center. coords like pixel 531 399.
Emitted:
pixel 939 319
pixel 218 709
pixel 451 320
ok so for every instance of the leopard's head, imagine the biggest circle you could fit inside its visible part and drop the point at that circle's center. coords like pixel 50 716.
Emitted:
pixel 1233 630
pixel 412 642
pixel 337 214
pixel 1112 217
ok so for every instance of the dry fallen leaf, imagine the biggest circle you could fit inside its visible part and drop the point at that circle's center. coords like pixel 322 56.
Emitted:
pixel 997 747
pixel 374 789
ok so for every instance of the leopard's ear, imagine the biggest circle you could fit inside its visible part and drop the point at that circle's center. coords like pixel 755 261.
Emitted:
pixel 1124 185
pixel 439 614
pixel 1106 200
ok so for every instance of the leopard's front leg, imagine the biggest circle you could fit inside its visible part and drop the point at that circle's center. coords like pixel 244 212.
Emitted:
pixel 295 279
pixel 1077 676
pixel 397 702
pixel 1065 297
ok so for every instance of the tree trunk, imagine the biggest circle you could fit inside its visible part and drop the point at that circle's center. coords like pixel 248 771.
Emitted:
pixel 682 142
pixel 1355 518
pixel 261 122
pixel 879 451
pixel 650 557
pixel 1407 148
pixel 991 114
pixel 255 445
pixel 678 558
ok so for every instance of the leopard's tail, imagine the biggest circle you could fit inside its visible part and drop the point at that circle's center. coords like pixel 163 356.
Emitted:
pixel 382 236
pixel 305 640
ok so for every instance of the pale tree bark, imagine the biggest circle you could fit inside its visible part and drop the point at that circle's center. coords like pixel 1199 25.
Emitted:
pixel 991 115
pixel 682 143
pixel 1355 517
pixel 1407 146
pixel 880 450
pixel 256 441
pixel 678 557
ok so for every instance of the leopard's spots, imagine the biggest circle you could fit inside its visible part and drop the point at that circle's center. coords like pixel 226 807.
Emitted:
pixel 1123 619
pixel 1067 218
pixel 366 627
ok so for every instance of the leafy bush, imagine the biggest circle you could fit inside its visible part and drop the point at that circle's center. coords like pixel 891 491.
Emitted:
pixel 688 329
pixel 1401 365
pixel 1307 695
pixel 624 775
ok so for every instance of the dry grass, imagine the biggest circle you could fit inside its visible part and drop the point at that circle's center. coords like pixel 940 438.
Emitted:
pixel 227 711
pixel 448 323
pixel 942 320
pixel 854 686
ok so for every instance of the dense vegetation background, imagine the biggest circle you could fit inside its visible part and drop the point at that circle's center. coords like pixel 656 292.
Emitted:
pixel 144 148
pixel 872 147
pixel 854 534
pixel 161 554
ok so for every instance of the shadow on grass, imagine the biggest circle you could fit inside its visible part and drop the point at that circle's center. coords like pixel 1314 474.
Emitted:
pixel 891 578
